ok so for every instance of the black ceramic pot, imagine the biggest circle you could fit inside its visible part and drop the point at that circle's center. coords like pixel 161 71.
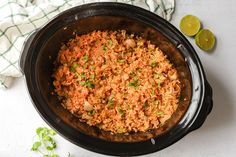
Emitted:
pixel 41 49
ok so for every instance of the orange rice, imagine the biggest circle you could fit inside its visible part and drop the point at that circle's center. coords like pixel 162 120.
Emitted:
pixel 116 81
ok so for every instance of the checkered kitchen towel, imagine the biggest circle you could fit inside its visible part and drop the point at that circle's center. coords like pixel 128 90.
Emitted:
pixel 18 18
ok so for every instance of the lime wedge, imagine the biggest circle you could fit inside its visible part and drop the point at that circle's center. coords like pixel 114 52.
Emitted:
pixel 205 39
pixel 190 25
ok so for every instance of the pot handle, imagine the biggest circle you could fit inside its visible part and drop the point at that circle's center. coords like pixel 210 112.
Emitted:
pixel 206 108
pixel 25 49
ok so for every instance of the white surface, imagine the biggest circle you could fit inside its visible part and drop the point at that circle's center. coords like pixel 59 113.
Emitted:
pixel 216 138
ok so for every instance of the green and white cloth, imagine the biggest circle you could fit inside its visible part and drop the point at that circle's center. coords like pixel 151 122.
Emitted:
pixel 18 18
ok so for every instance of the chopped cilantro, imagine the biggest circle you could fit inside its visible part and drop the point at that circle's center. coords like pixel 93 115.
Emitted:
pixel 73 67
pixel 120 60
pixel 86 58
pixel 145 105
pixel 92 76
pixel 87 83
pixel 92 112
pixel 153 64
pixel 110 42
pixel 155 102
pixel 85 65
pixel 120 111
pixel 104 48
pixel 134 84
pixel 110 101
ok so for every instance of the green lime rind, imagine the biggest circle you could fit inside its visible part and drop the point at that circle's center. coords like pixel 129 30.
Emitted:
pixel 205 40
pixel 190 25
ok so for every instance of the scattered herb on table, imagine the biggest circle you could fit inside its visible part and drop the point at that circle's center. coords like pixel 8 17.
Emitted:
pixel 45 143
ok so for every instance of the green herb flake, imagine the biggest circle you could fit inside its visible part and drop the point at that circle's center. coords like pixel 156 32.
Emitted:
pixel 110 101
pixel 82 83
pixel 92 112
pixel 155 102
pixel 104 48
pixel 120 111
pixel 103 77
pixel 82 75
pixel 132 74
pixel 94 68
pixel 145 105
pixel 39 130
pixel 85 65
pixel 110 42
pixel 153 64
pixel 92 76
pixel 123 53
pixel 159 113
pixel 120 60
pixel 45 144
pixel 159 85
pixel 153 93
pixel 87 83
pixel 73 67
pixel 35 146
pixel 157 75
pixel 134 84
pixel 86 58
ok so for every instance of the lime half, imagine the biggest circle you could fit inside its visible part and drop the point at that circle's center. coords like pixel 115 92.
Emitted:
pixel 190 25
pixel 205 39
